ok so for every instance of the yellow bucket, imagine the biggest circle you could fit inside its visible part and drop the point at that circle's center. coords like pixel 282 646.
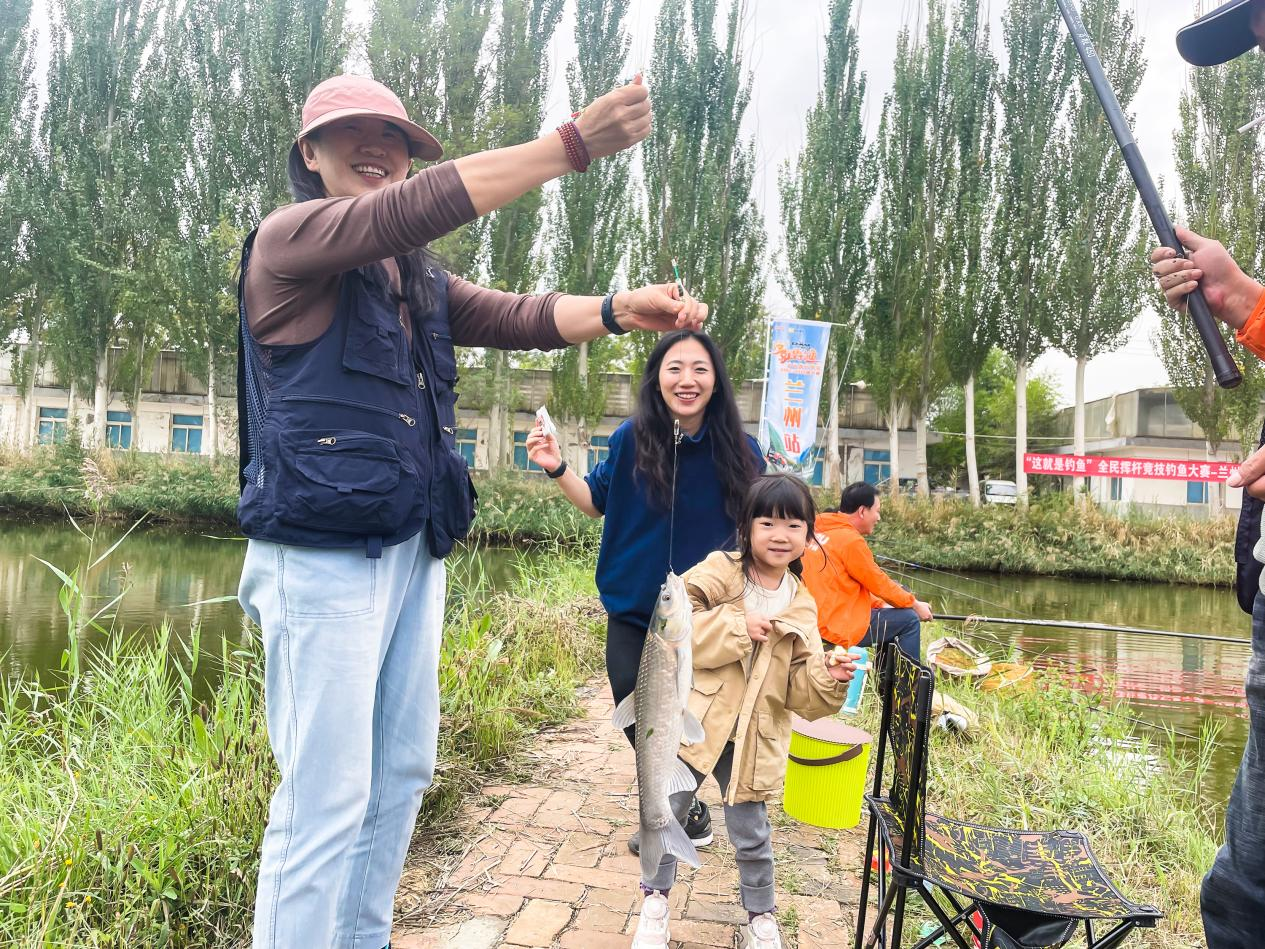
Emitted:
pixel 825 776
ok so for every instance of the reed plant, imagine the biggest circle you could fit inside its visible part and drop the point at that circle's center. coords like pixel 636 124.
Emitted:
pixel 134 805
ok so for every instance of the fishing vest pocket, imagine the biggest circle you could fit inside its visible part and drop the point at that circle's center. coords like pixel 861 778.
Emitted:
pixel 338 480
pixel 772 742
pixel 375 345
pixel 452 501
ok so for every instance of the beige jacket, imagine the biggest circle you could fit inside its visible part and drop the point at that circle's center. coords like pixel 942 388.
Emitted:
pixel 788 674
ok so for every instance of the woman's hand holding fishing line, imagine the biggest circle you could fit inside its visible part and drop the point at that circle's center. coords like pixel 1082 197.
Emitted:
pixel 1231 294
pixel 617 120
pixel 659 307
pixel 759 627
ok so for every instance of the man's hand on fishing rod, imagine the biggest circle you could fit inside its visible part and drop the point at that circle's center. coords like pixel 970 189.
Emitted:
pixel 1231 294
pixel 1251 475
pixel 923 610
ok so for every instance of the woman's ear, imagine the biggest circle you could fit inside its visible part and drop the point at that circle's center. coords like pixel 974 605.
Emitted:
pixel 309 155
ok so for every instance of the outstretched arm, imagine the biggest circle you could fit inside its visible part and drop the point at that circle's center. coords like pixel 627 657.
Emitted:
pixel 543 450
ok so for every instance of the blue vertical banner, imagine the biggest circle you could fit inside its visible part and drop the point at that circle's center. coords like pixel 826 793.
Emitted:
pixel 798 350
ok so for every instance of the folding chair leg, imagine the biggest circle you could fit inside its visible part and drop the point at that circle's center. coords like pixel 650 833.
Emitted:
pixel 1112 939
pixel 898 916
pixel 862 906
pixel 881 918
pixel 949 923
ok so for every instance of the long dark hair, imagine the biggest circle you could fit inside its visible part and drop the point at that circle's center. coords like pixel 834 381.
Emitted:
pixel 415 284
pixel 652 429
pixel 775 495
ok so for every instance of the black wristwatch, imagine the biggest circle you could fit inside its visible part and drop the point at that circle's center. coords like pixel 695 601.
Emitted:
pixel 608 315
pixel 559 471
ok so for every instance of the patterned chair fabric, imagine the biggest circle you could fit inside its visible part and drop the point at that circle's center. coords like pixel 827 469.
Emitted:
pixel 1031 884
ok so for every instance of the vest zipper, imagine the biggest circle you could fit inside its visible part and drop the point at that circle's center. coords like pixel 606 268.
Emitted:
pixel 326 400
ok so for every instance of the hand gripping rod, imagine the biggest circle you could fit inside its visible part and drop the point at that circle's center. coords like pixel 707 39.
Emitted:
pixel 1223 367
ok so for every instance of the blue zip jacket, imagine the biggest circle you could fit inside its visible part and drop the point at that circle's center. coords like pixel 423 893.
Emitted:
pixel 634 557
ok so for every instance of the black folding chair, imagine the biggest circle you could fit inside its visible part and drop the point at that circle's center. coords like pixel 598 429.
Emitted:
pixel 1031 890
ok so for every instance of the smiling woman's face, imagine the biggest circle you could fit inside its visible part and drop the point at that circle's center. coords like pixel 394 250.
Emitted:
pixel 356 155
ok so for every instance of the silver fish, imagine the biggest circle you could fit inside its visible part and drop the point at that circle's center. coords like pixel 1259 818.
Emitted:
pixel 658 709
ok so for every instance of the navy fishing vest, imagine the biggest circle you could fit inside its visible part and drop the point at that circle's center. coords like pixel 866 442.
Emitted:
pixel 350 439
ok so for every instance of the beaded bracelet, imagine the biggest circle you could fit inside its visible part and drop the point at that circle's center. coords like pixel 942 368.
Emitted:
pixel 577 152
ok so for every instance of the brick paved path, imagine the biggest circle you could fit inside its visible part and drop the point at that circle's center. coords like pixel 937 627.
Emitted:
pixel 546 864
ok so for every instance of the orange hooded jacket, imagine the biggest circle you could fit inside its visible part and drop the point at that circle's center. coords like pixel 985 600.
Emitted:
pixel 843 578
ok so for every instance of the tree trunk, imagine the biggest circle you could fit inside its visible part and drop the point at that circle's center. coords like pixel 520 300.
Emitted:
pixel 831 473
pixel 72 406
pixel 972 466
pixel 138 390
pixel 1216 489
pixel 893 447
pixel 29 422
pixel 212 424
pixel 920 454
pixel 100 399
pixel 1080 485
pixel 1021 429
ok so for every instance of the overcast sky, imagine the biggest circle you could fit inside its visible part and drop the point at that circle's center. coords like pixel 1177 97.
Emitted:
pixel 785 43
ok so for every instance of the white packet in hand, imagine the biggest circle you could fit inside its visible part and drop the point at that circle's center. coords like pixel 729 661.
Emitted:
pixel 546 423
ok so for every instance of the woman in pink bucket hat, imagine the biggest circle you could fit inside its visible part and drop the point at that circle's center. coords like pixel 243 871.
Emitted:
pixel 353 490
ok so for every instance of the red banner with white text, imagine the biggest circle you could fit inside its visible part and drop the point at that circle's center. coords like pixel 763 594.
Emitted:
pixel 1099 466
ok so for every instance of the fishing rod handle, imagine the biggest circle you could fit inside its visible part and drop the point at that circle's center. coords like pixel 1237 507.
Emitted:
pixel 1224 368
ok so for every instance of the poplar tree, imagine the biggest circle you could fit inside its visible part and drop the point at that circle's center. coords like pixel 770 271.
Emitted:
pixel 103 184
pixel 897 248
pixel 431 53
pixel 517 110
pixel 1033 91
pixel 698 175
pixel 1101 277
pixel 1223 200
pixel 825 194
pixel 591 219
pixel 969 300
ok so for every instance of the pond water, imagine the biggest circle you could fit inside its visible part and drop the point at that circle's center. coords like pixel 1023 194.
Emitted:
pixel 1181 684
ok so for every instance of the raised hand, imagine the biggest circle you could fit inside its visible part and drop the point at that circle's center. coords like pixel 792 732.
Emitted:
pixel 543 449
pixel 618 120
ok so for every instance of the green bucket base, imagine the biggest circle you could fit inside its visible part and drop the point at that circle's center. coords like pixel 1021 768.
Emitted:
pixel 826 795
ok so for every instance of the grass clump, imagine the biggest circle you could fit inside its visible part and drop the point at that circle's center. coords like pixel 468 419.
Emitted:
pixel 1054 758
pixel 1054 537
pixel 134 809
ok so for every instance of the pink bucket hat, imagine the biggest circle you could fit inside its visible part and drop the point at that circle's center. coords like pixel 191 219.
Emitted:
pixel 341 96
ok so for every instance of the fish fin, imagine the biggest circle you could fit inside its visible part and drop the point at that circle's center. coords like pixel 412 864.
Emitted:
pixel 659 842
pixel 682 779
pixel 625 712
pixel 692 733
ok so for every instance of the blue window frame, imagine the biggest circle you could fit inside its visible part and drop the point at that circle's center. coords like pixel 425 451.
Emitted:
pixel 186 434
pixel 118 429
pixel 51 426
pixel 878 466
pixel 1117 490
pixel 1196 492
pixel 819 466
pixel 520 454
pixel 599 450
pixel 467 438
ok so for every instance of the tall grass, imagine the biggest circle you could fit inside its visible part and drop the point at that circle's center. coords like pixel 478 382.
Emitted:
pixel 134 811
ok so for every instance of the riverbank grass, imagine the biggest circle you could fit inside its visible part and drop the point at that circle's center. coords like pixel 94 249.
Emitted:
pixel 134 808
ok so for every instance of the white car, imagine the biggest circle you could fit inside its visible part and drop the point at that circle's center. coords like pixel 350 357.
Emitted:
pixel 1000 492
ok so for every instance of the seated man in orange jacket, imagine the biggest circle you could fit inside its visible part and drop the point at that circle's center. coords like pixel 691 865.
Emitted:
pixel 857 603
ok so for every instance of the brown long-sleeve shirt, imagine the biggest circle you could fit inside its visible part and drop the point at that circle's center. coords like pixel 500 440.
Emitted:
pixel 302 250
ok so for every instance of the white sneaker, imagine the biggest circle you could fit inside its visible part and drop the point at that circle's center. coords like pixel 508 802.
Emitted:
pixel 762 933
pixel 652 925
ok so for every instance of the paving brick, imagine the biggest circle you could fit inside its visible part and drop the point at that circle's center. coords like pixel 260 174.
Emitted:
pixel 539 923
pixel 709 911
pixel 705 934
pixel 492 903
pixel 620 901
pixel 582 850
pixel 592 939
pixel 545 889
pixel 525 859
pixel 591 876
pixel 600 919
pixel 621 863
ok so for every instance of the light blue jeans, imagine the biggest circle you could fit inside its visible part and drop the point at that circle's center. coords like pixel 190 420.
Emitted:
pixel 351 685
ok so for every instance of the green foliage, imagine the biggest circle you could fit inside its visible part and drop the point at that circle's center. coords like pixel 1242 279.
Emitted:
pixel 698 177
pixel 1055 537
pixel 994 412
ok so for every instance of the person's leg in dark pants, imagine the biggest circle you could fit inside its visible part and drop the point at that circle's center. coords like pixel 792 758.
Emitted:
pixel 901 625
pixel 1233 895
pixel 624 643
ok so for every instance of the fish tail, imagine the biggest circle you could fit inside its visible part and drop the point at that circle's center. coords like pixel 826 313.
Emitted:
pixel 658 842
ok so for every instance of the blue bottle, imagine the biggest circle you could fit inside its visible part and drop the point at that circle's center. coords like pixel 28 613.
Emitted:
pixel 856 688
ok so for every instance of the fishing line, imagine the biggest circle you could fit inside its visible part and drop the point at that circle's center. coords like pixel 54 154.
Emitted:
pixel 923 566
pixel 676 440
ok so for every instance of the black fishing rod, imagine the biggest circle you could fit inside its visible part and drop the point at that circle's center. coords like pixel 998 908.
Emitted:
pixel 1096 627
pixel 1223 367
